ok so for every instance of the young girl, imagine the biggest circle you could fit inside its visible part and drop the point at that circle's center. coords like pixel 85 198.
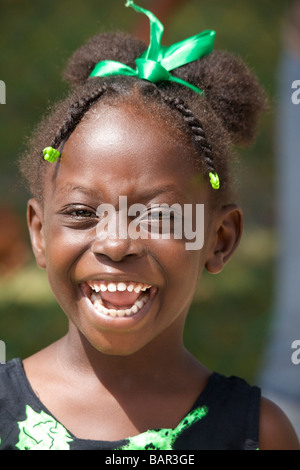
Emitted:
pixel 155 133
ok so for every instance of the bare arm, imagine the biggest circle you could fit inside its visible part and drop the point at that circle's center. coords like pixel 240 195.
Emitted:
pixel 275 430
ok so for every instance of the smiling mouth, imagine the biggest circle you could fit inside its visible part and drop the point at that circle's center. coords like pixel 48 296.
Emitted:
pixel 118 299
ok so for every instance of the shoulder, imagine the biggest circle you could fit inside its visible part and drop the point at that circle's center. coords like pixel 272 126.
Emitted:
pixel 8 374
pixel 10 382
pixel 10 395
pixel 275 430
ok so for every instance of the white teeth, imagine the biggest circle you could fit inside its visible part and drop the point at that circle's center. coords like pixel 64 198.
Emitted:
pixel 103 286
pixel 121 286
pixel 98 305
pixel 139 303
pixel 134 309
pixel 112 287
pixel 94 297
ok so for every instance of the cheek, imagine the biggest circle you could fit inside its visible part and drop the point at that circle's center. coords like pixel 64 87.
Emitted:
pixel 183 268
pixel 64 247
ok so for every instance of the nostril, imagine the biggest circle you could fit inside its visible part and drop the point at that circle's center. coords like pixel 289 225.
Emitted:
pixel 117 249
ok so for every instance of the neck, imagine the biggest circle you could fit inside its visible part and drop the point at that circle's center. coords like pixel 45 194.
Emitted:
pixel 162 356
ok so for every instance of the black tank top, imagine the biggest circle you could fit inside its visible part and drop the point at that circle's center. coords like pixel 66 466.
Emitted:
pixel 225 416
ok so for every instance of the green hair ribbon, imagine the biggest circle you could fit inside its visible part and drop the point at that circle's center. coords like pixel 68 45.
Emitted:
pixel 157 61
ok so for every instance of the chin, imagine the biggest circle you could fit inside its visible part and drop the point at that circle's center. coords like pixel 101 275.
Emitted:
pixel 118 348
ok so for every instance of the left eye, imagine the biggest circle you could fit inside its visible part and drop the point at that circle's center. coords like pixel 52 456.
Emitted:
pixel 157 220
pixel 158 215
pixel 82 213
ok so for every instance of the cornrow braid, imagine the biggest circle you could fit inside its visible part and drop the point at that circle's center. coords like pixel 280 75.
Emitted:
pixel 78 109
pixel 229 114
pixel 195 126
pixel 76 112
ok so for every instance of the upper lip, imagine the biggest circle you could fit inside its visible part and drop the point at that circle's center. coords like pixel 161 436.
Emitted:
pixel 116 278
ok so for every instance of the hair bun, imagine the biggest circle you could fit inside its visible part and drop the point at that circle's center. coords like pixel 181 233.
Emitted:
pixel 232 91
pixel 119 46
pixel 235 95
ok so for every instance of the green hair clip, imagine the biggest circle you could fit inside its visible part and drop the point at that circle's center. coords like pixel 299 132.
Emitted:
pixel 51 155
pixel 214 180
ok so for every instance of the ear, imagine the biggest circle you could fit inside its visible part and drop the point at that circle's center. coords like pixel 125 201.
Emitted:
pixel 227 232
pixel 35 221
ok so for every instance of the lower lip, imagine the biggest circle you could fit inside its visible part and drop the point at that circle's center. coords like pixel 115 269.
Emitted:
pixel 122 323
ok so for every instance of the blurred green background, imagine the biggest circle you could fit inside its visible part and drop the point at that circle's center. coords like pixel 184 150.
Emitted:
pixel 228 322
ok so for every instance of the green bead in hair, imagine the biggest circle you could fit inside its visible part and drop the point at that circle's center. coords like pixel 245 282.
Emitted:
pixel 51 154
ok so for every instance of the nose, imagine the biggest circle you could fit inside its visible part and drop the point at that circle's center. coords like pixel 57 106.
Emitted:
pixel 116 250
pixel 116 245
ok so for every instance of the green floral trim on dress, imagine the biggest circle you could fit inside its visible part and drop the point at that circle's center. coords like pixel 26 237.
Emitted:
pixel 163 439
pixel 40 431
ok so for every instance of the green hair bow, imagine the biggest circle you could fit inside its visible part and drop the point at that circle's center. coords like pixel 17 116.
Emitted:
pixel 157 61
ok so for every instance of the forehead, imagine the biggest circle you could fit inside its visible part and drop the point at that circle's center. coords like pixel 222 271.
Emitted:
pixel 129 146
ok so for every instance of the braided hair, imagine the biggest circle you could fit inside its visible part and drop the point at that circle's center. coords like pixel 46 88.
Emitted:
pixel 226 115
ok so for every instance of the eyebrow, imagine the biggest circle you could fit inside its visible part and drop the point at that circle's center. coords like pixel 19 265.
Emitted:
pixel 168 189
pixel 148 195
pixel 70 188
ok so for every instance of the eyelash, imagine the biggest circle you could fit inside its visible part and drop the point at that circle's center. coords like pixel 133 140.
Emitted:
pixel 77 213
pixel 153 214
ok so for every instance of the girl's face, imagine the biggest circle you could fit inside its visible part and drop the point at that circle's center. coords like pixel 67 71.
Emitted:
pixel 120 152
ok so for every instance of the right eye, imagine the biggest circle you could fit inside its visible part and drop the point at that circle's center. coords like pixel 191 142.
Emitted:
pixel 79 216
pixel 80 213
